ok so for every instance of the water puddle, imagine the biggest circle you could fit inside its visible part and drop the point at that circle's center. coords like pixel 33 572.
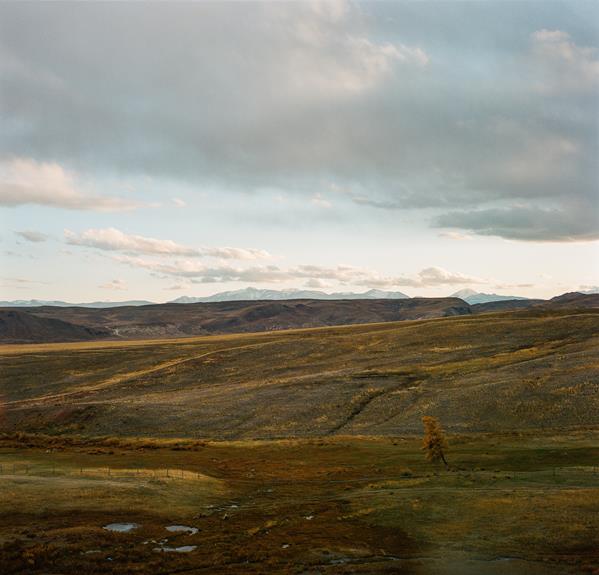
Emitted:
pixel 121 527
pixel 182 529
pixel 182 549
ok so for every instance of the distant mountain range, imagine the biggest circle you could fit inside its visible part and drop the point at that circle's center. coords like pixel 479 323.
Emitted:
pixel 58 303
pixel 254 294
pixel 472 297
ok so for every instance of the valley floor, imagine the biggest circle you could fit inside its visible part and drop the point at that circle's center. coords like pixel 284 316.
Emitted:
pixel 517 503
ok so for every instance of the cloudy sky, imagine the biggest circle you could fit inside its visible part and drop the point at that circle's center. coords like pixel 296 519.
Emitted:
pixel 155 150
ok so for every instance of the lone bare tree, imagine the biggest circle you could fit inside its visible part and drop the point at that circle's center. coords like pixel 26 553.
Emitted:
pixel 434 442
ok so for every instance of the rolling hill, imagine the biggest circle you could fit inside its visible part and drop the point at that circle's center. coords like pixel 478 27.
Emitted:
pixel 490 372
pixel 505 305
pixel 181 320
pixel 19 326
pixel 178 320
pixel 572 300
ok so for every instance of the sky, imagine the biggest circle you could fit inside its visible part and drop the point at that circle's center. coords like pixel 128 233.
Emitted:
pixel 154 150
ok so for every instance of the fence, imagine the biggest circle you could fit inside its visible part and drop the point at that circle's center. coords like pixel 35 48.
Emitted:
pixel 44 470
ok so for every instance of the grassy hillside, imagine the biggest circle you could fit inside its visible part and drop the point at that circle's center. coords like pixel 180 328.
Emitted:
pixel 522 370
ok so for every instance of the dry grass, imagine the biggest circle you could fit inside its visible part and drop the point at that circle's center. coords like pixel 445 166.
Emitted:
pixel 298 452
pixel 339 505
pixel 483 373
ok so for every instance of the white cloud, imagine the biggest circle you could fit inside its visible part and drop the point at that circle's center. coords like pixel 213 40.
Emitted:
pixel 322 54
pixel 117 285
pixel 176 287
pixel 23 281
pixel 565 66
pixel 316 283
pixel 31 236
pixel 179 203
pixel 111 239
pixel 513 286
pixel 439 276
pixel 316 276
pixel 318 200
pixel 25 181
pixel 428 277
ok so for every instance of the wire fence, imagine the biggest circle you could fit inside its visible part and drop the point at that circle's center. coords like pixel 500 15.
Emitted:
pixel 557 475
pixel 45 470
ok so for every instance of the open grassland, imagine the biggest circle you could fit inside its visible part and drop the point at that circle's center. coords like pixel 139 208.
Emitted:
pixel 496 372
pixel 519 503
pixel 132 432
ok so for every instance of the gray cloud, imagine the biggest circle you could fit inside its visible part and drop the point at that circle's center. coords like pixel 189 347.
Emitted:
pixel 176 287
pixel 377 99
pixel 32 236
pixel 528 223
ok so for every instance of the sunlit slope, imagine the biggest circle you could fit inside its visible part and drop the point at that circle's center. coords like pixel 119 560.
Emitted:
pixel 489 372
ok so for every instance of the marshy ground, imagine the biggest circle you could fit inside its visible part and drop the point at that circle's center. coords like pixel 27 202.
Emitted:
pixel 511 503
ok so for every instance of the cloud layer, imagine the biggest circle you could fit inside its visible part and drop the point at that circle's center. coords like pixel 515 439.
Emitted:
pixel 199 272
pixel 492 127
pixel 166 258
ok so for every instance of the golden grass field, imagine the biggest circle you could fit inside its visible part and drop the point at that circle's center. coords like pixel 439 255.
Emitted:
pixel 299 451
